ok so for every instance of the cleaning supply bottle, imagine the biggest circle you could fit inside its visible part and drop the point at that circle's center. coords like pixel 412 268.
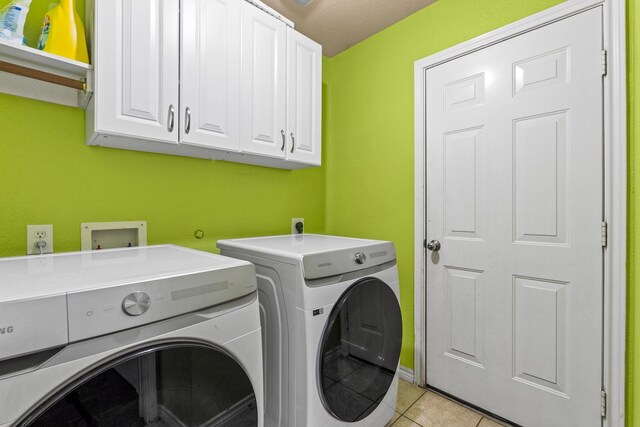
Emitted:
pixel 63 32
pixel 12 19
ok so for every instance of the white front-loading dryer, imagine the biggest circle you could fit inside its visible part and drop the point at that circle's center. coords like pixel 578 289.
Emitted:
pixel 158 336
pixel 332 328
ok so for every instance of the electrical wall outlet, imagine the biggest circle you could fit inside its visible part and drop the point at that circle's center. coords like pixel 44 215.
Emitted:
pixel 294 221
pixel 39 233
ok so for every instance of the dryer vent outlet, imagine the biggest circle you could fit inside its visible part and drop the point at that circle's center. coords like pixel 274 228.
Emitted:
pixel 297 225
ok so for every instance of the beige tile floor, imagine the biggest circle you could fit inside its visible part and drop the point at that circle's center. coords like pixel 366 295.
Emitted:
pixel 418 407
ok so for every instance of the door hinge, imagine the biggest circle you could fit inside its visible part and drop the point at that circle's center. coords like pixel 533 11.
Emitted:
pixel 604 62
pixel 604 234
pixel 603 403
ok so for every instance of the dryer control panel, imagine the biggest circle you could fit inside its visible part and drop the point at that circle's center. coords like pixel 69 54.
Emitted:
pixel 333 263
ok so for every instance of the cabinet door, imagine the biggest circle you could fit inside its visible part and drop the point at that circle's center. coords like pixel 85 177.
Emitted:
pixel 263 83
pixel 210 73
pixel 136 60
pixel 304 98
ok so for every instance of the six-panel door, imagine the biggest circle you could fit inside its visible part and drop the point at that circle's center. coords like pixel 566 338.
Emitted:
pixel 136 59
pixel 515 196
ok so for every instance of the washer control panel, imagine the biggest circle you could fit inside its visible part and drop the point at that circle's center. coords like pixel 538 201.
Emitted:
pixel 136 303
pixel 106 310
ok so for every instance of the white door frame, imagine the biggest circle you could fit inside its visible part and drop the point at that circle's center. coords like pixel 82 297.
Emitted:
pixel 615 186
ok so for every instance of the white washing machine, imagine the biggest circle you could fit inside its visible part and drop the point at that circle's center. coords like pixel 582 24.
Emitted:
pixel 157 335
pixel 332 329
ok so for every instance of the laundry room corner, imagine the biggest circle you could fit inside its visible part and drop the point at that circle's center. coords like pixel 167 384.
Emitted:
pixel 365 187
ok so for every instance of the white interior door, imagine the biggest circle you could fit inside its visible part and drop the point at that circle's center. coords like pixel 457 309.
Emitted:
pixel 515 197
pixel 263 83
pixel 210 73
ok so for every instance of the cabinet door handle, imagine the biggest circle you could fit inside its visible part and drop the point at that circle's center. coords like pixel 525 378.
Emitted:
pixel 171 118
pixel 293 142
pixel 284 139
pixel 187 120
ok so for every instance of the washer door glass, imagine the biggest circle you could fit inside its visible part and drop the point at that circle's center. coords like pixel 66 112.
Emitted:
pixel 175 386
pixel 360 350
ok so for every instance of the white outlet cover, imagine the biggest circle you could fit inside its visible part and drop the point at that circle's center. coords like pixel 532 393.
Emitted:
pixel 33 233
pixel 294 221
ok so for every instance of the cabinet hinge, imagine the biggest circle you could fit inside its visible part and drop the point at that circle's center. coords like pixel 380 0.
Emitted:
pixel 604 234
pixel 603 403
pixel 604 62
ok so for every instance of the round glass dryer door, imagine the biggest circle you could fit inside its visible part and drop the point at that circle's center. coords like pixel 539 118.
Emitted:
pixel 360 350
pixel 184 385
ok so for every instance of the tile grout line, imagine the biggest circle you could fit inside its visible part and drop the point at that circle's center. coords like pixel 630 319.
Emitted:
pixel 414 402
pixel 402 416
pixel 424 391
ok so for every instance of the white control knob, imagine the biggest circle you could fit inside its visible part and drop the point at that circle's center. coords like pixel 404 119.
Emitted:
pixel 136 303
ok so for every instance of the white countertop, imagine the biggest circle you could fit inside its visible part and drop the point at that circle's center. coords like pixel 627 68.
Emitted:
pixel 42 275
pixel 297 245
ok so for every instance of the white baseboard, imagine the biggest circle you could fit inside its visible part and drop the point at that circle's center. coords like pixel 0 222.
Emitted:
pixel 406 374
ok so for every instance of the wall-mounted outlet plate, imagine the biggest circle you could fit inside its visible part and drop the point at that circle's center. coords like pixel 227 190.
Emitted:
pixel 294 221
pixel 39 233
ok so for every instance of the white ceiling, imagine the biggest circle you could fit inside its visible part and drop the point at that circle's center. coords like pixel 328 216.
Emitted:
pixel 339 24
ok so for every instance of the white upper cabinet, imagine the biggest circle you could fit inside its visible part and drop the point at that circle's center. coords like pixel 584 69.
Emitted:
pixel 263 93
pixel 217 79
pixel 304 98
pixel 135 53
pixel 210 66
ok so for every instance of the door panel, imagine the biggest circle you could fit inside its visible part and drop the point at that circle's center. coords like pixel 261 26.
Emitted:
pixel 210 84
pixel 540 178
pixel 263 83
pixel 514 195
pixel 464 315
pixel 540 333
pixel 460 183
pixel 304 98
pixel 137 81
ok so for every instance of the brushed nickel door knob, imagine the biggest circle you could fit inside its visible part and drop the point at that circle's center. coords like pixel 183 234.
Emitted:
pixel 433 245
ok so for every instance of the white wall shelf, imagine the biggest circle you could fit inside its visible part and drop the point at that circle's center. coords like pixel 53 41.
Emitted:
pixel 31 73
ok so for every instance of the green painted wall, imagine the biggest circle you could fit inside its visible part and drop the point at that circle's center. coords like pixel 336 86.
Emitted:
pixel 49 176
